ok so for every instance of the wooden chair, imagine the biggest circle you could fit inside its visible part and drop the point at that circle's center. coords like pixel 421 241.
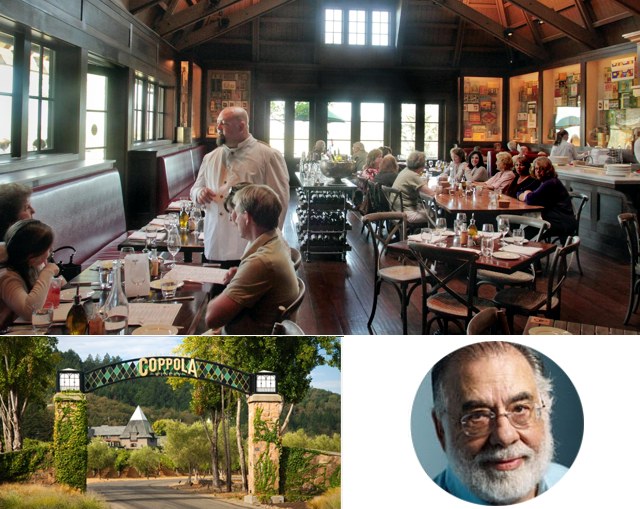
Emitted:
pixel 488 321
pixel 287 328
pixel 629 223
pixel 518 278
pixel 396 202
pixel 528 302
pixel 384 228
pixel 289 312
pixel 443 300
pixel 296 258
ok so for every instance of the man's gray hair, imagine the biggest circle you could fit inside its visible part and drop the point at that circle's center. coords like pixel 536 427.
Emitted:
pixel 481 350
pixel 416 160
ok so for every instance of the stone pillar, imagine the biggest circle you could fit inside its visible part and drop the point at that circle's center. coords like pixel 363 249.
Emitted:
pixel 264 446
pixel 70 439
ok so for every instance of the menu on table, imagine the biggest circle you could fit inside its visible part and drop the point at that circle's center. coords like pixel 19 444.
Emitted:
pixel 197 274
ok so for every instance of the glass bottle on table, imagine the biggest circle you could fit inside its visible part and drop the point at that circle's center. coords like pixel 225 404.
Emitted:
pixel 116 308
pixel 183 218
pixel 77 317
pixel 473 229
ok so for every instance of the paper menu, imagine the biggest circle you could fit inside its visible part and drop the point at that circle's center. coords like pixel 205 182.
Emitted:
pixel 141 313
pixel 197 274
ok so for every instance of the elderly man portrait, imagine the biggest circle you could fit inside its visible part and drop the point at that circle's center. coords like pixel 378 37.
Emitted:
pixel 238 158
pixel 492 406
pixel 265 278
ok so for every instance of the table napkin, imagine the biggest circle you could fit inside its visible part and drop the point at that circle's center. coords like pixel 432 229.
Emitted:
pixel 175 205
pixel 158 222
pixel 141 235
pixel 434 238
pixel 59 314
pixel 523 250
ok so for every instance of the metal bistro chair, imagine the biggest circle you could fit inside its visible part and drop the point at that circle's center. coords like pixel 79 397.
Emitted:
pixel 528 302
pixel 296 258
pixel 385 228
pixel 629 224
pixel 578 202
pixel 289 312
pixel 518 278
pixel 396 202
pixel 287 328
pixel 377 201
pixel 448 304
pixel 489 321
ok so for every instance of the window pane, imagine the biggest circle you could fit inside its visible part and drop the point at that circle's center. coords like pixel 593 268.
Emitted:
pixel 5 127
pixel 47 65
pixel 46 124
pixel 96 124
pixel 301 128
pixel 6 64
pixel 333 26
pixel 380 28
pixel 357 27
pixel 276 125
pixel 96 92
pixel 431 149
pixel 407 128
pixel 32 125
pixel 35 65
pixel 372 124
pixel 431 129
pixel 339 127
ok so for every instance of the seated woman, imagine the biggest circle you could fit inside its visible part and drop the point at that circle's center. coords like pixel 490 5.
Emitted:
pixel 524 180
pixel 372 166
pixel 25 273
pixel 388 171
pixel 458 164
pixel 409 183
pixel 15 204
pixel 554 197
pixel 475 170
pixel 501 180
pixel 265 278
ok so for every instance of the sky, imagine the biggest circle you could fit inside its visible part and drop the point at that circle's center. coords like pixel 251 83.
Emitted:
pixel 133 347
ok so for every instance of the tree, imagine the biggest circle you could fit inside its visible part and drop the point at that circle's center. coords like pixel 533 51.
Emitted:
pixel 186 446
pixel 146 461
pixel 100 456
pixel 26 372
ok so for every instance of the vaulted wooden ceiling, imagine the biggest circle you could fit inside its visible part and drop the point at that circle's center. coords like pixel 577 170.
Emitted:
pixel 450 32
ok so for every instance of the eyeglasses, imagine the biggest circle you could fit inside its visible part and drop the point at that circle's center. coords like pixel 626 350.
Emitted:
pixel 481 422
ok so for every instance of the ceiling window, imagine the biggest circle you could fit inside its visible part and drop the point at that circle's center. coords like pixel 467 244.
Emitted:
pixel 361 27
pixel 333 26
pixel 380 28
pixel 357 27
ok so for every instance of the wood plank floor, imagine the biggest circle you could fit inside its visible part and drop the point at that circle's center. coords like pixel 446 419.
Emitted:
pixel 339 294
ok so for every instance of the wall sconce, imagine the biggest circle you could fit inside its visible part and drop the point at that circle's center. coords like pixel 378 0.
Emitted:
pixel 265 383
pixel 69 380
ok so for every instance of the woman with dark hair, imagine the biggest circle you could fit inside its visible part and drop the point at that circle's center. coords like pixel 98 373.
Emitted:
pixel 372 166
pixel 554 197
pixel 388 171
pixel 524 180
pixel 562 148
pixel 475 170
pixel 15 204
pixel 25 273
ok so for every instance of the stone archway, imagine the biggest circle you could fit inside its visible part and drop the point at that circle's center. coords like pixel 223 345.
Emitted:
pixel 265 406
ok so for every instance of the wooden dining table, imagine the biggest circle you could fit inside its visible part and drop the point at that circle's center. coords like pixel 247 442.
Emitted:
pixel 522 262
pixel 573 327
pixel 192 297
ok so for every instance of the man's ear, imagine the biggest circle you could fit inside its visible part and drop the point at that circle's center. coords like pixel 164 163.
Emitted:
pixel 439 430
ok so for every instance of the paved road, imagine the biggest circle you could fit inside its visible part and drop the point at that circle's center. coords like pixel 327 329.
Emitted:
pixel 154 494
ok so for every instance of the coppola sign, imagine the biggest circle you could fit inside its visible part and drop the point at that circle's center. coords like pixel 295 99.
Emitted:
pixel 167 366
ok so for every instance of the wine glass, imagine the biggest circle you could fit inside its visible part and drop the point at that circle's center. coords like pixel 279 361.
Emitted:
pixel 503 228
pixel 126 251
pixel 137 279
pixel 173 246
pixel 441 227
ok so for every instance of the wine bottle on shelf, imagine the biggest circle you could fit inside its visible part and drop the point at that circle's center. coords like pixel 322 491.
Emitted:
pixel 77 316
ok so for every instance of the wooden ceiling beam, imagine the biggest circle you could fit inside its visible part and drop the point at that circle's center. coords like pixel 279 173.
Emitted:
pixel 569 28
pixel 191 15
pixel 632 5
pixel 136 6
pixel 457 52
pixel 481 21
pixel 228 23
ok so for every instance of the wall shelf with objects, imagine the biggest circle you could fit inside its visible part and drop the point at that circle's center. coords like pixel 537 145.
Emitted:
pixel 562 102
pixel 612 109
pixel 226 89
pixel 481 109
pixel 523 108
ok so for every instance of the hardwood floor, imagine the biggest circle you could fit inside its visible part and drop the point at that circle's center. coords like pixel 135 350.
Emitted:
pixel 339 294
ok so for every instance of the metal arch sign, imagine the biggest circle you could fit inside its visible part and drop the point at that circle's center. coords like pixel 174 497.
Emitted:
pixel 182 367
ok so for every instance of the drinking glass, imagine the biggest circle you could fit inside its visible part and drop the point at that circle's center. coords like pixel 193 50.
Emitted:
pixel 487 230
pixel 425 235
pixel 462 217
pixel 125 251
pixel 151 232
pixel 441 228
pixel 196 217
pixel 503 228
pixel 106 277
pixel 518 236
pixel 173 246
pixel 486 246
pixel 168 288
pixel 41 320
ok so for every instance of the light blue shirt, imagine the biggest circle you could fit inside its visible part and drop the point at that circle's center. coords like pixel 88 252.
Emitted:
pixel 449 482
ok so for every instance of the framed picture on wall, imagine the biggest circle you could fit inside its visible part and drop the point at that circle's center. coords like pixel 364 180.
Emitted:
pixel 226 88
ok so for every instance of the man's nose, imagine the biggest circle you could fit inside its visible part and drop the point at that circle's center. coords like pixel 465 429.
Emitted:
pixel 503 433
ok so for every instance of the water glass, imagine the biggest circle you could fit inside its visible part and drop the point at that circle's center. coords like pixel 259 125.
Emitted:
pixel 106 277
pixel 518 236
pixel 168 288
pixel 425 235
pixel 493 199
pixel 53 294
pixel 486 246
pixel 41 319
pixel 487 230
pixel 151 232
pixel 126 251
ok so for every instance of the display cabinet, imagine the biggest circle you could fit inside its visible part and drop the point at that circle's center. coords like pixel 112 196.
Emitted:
pixel 322 219
pixel 482 109
pixel 562 102
pixel 523 108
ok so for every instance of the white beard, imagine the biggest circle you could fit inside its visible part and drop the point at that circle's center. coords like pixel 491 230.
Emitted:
pixel 500 487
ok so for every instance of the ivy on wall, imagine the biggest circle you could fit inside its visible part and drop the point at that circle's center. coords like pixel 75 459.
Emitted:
pixel 302 478
pixel 70 439
pixel 265 470
pixel 20 465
